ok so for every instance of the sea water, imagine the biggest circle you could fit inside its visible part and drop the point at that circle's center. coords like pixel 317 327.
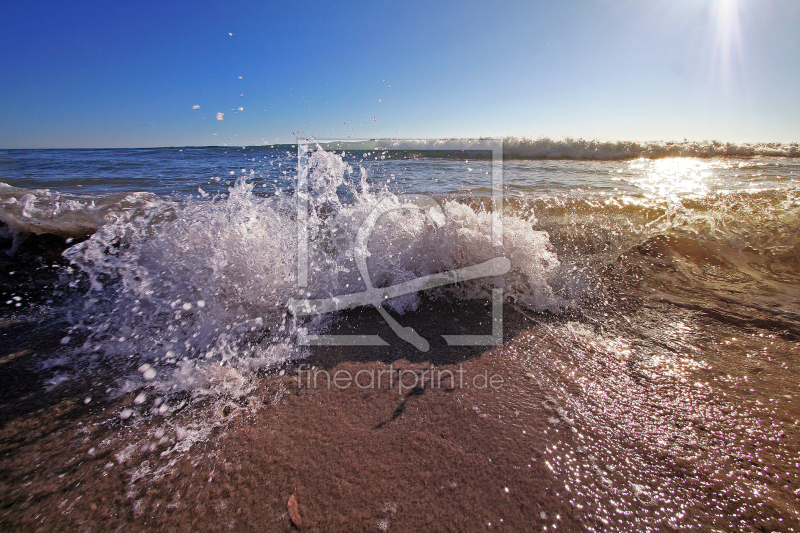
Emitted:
pixel 641 265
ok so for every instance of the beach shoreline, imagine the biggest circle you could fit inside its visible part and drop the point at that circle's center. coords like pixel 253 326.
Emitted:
pixel 377 458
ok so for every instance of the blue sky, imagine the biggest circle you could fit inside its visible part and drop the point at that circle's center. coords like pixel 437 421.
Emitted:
pixel 112 74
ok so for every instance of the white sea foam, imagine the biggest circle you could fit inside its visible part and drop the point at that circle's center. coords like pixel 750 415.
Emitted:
pixel 42 211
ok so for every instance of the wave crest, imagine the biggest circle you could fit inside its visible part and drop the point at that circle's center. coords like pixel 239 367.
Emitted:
pixel 589 149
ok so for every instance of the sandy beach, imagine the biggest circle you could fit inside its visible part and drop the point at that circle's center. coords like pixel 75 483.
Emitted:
pixel 672 455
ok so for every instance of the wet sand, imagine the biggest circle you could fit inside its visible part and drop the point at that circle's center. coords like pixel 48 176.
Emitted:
pixel 423 459
pixel 585 434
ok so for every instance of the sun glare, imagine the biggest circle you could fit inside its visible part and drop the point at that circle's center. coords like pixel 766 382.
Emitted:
pixel 727 38
pixel 672 177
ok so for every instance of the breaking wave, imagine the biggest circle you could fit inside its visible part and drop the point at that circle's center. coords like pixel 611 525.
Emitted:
pixel 589 149
pixel 192 295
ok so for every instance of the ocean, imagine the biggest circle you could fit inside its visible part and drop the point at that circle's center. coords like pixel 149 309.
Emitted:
pixel 639 347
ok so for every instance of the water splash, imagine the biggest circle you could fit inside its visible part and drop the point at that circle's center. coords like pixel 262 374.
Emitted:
pixel 191 295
